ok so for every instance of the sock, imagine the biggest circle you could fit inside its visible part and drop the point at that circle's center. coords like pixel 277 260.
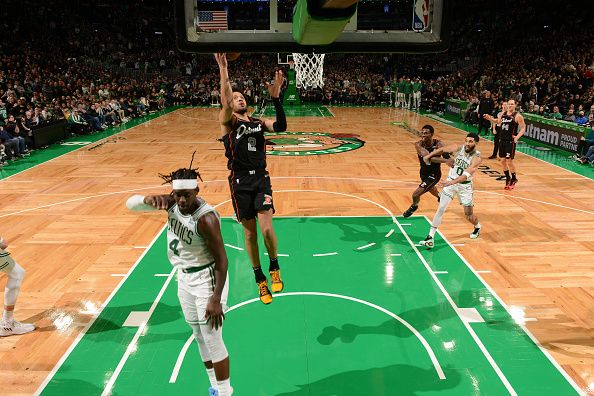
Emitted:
pixel 513 177
pixel 259 274
pixel 478 225
pixel 224 387
pixel 507 177
pixel 212 377
pixel 8 316
pixel 273 264
pixel 432 231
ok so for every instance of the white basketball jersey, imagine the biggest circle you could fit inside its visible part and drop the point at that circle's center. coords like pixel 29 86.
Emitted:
pixel 186 248
pixel 462 162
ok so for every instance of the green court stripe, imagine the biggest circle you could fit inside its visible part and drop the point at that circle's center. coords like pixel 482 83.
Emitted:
pixel 105 342
pixel 519 358
pixel 413 295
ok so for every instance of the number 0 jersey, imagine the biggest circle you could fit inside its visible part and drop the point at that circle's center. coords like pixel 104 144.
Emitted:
pixel 186 247
pixel 462 161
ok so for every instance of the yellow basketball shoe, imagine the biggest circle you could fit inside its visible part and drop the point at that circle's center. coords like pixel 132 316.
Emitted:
pixel 265 295
pixel 277 282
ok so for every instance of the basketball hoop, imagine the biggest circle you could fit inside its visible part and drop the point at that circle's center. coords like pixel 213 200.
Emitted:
pixel 309 69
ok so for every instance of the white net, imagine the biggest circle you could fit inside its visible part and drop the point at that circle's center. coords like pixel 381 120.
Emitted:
pixel 309 69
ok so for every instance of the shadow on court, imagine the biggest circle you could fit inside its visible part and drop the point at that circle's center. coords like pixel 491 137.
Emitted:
pixel 397 379
pixel 112 318
pixel 419 318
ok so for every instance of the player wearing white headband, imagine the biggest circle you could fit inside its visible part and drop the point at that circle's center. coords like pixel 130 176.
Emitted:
pixel 196 249
pixel 16 274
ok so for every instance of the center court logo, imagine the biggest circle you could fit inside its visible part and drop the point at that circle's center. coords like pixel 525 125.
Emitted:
pixel 310 143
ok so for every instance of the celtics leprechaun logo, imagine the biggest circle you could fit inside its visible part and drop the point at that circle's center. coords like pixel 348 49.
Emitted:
pixel 310 143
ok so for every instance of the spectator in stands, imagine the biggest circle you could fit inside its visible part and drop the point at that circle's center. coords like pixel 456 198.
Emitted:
pixel 570 116
pixel 585 142
pixel 78 124
pixel 543 111
pixel 485 106
pixel 11 145
pixel 26 132
pixel 556 115
pixel 12 127
pixel 581 119
pixel 3 158
pixel 589 157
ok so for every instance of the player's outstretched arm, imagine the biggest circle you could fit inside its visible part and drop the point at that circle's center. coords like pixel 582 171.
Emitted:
pixel 140 203
pixel 210 230
pixel 450 148
pixel 445 157
pixel 492 119
pixel 280 124
pixel 226 91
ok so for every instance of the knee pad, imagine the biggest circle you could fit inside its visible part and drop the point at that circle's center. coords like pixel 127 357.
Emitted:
pixel 15 276
pixel 202 348
pixel 214 341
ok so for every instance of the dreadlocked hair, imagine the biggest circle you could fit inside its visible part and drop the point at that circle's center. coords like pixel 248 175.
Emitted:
pixel 182 173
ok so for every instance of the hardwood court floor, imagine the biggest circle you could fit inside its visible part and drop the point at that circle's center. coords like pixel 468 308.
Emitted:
pixel 67 225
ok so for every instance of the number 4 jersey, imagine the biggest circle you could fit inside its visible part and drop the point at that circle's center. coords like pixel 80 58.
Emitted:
pixel 186 248
pixel 462 161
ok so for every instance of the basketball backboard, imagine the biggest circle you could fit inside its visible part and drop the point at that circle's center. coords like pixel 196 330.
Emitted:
pixel 380 26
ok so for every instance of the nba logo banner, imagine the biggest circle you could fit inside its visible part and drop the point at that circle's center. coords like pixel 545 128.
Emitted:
pixel 421 15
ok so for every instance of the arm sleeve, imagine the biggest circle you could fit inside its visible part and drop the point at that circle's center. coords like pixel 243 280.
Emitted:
pixel 136 203
pixel 280 125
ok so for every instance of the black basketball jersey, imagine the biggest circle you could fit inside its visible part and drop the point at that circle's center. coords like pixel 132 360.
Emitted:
pixel 509 126
pixel 434 168
pixel 245 145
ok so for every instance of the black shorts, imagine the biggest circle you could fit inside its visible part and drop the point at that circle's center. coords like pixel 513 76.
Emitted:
pixel 250 193
pixel 507 149
pixel 429 181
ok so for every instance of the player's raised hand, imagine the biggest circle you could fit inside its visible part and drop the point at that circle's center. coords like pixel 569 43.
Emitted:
pixel 274 89
pixel 221 59
pixel 214 313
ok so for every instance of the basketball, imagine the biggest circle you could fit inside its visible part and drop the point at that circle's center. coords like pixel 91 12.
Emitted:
pixel 232 56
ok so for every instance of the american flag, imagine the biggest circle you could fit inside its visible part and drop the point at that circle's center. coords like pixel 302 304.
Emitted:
pixel 212 20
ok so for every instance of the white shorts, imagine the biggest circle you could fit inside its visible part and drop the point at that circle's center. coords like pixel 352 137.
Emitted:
pixel 6 262
pixel 464 191
pixel 194 290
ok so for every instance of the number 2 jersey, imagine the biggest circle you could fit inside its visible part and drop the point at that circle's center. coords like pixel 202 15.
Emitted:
pixel 462 161
pixel 186 247
pixel 245 145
